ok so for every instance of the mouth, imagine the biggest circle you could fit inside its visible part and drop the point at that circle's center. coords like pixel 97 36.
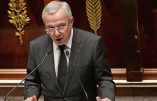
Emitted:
pixel 59 39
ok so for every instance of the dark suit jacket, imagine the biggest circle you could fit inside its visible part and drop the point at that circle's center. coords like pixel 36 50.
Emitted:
pixel 87 64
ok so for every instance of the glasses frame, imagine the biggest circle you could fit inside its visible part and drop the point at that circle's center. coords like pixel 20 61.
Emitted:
pixel 59 27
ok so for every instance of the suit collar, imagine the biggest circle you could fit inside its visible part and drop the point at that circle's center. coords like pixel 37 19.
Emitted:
pixel 50 61
pixel 74 56
pixel 48 45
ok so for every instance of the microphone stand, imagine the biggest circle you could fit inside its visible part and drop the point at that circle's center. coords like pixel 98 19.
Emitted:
pixel 5 99
pixel 68 55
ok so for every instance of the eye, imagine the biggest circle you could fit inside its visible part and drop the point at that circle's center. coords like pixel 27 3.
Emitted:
pixel 62 25
pixel 49 27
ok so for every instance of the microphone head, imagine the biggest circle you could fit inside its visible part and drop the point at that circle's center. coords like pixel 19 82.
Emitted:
pixel 67 54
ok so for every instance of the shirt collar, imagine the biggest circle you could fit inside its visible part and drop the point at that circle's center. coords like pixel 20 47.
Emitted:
pixel 69 43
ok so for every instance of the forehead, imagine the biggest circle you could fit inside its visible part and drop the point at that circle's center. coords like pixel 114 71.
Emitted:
pixel 59 16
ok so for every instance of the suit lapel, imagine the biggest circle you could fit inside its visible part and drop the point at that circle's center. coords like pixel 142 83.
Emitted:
pixel 50 62
pixel 74 55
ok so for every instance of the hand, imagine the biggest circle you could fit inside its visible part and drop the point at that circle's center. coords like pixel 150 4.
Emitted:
pixel 104 99
pixel 33 98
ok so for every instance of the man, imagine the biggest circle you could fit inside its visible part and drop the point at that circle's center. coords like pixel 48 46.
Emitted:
pixel 85 57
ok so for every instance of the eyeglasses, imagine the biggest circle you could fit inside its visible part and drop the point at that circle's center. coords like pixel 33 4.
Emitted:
pixel 60 27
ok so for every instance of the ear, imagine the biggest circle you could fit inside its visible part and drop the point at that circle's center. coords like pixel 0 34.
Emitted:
pixel 72 21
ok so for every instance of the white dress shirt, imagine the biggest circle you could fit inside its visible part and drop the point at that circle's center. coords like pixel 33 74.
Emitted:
pixel 56 52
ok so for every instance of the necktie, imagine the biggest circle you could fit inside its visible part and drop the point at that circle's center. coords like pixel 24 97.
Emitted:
pixel 62 67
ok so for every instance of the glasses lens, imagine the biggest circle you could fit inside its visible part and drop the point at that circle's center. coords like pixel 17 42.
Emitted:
pixel 60 27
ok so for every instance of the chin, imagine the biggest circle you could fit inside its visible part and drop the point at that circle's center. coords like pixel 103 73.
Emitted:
pixel 60 43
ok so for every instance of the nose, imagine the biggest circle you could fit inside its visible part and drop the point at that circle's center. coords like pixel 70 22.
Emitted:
pixel 57 33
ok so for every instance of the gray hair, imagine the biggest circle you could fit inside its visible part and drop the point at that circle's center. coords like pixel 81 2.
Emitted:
pixel 52 7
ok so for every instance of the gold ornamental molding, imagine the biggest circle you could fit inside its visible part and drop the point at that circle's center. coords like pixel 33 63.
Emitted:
pixel 94 13
pixel 18 17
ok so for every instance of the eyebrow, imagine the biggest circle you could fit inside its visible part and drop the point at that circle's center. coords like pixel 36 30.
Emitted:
pixel 61 24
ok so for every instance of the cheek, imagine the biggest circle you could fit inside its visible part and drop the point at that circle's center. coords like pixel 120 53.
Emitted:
pixel 67 33
pixel 66 36
pixel 52 36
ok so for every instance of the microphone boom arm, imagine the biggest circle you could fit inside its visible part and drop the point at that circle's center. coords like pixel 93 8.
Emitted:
pixel 68 55
pixel 25 77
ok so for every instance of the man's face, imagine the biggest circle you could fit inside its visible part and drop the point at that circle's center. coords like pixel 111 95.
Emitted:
pixel 58 26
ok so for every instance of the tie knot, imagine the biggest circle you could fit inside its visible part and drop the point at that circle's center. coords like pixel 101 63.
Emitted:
pixel 61 47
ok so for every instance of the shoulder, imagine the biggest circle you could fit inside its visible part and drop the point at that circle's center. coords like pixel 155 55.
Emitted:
pixel 40 42
pixel 86 35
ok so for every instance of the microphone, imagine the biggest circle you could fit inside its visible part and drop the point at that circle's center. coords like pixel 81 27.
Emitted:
pixel 68 55
pixel 5 99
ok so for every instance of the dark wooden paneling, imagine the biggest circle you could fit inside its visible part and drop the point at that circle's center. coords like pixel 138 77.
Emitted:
pixel 12 55
pixel 148 30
